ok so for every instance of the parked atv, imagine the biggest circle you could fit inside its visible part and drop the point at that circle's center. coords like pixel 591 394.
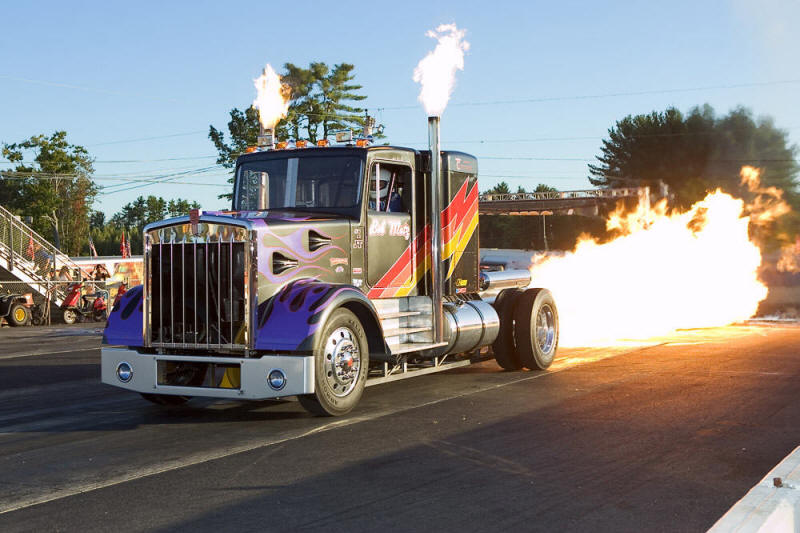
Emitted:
pixel 16 309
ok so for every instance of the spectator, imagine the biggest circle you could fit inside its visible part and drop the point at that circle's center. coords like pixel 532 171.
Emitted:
pixel 100 273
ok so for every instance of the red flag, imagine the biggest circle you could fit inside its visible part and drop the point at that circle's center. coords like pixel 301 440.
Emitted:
pixel 123 247
pixel 31 250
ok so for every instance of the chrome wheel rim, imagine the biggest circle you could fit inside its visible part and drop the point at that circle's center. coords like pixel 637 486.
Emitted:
pixel 342 361
pixel 546 329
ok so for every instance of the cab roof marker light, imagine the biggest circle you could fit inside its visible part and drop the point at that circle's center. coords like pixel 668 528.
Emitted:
pixel 344 136
pixel 323 142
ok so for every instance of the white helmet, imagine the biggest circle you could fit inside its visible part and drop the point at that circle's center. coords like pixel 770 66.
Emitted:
pixel 386 178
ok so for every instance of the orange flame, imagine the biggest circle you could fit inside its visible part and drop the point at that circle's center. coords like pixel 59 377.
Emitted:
pixel 666 271
pixel 272 100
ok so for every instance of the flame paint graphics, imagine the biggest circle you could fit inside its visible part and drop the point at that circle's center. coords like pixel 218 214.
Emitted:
pixel 292 246
pixel 291 316
pixel 459 222
pixel 666 271
pixel 124 325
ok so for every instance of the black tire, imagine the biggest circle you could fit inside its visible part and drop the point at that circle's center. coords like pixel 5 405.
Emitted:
pixel 70 316
pixel 342 346
pixel 18 315
pixel 166 399
pixel 536 328
pixel 504 347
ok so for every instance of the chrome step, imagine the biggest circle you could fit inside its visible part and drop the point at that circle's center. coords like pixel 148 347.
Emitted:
pixel 414 347
pixel 399 314
pixel 405 331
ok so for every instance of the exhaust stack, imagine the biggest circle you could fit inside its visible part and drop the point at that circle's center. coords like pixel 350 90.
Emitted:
pixel 437 281
pixel 266 139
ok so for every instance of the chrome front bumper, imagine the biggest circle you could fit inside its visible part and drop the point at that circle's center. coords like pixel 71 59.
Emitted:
pixel 299 371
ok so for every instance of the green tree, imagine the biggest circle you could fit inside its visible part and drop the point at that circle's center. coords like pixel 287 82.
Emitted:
pixel 500 188
pixel 319 105
pixel 51 183
pixel 544 188
pixel 695 153
pixel 131 219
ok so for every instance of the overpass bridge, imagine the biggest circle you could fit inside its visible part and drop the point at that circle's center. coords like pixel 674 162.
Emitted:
pixel 585 202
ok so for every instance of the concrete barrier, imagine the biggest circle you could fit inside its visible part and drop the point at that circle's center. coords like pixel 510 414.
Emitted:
pixel 773 505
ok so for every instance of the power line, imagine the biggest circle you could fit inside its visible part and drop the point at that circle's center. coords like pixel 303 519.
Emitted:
pixel 607 95
pixel 107 161
pixel 86 89
pixel 159 179
pixel 143 139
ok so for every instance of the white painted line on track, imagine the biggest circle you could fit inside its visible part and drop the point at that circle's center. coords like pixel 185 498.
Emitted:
pixel 771 505
pixel 205 457
pixel 15 356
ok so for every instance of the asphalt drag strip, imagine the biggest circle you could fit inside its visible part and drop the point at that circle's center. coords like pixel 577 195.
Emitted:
pixel 461 439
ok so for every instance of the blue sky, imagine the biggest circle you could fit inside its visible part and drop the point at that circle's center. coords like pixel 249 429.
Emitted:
pixel 113 74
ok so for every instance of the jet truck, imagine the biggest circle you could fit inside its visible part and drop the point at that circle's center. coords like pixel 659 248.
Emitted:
pixel 340 265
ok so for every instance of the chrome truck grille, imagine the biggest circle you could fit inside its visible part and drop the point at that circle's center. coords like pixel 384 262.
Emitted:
pixel 199 285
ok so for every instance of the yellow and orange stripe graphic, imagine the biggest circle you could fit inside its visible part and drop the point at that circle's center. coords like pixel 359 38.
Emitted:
pixel 459 222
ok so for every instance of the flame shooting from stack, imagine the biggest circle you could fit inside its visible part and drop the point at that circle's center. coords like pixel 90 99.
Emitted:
pixel 665 271
pixel 436 72
pixel 272 100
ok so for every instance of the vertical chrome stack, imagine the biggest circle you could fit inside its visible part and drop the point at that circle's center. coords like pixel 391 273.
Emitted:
pixel 437 279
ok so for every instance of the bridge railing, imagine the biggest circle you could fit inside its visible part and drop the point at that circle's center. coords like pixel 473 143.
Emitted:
pixel 626 192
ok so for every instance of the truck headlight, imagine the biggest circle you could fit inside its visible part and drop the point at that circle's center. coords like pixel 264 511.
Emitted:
pixel 124 372
pixel 276 379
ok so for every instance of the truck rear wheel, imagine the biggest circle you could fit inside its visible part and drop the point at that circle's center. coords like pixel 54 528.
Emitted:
pixel 536 328
pixel 341 365
pixel 19 315
pixel 504 349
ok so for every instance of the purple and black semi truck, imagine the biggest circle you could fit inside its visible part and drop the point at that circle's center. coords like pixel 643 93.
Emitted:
pixel 337 267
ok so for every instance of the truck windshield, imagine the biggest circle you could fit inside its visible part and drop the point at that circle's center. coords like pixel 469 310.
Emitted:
pixel 319 183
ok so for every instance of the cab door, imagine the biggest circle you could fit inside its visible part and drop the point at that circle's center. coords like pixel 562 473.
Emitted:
pixel 390 263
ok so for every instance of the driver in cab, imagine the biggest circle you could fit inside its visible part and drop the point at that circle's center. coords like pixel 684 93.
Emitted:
pixel 387 190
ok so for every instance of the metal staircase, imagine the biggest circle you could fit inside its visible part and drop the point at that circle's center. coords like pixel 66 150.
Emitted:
pixel 27 257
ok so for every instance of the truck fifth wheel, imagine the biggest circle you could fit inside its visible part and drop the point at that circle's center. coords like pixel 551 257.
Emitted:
pixel 338 267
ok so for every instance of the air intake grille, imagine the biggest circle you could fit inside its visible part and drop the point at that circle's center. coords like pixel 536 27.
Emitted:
pixel 198 294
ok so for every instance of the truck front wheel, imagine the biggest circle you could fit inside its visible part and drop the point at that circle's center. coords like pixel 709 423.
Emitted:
pixel 341 365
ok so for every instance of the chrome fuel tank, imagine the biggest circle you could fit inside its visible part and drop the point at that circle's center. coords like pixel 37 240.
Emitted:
pixel 470 325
